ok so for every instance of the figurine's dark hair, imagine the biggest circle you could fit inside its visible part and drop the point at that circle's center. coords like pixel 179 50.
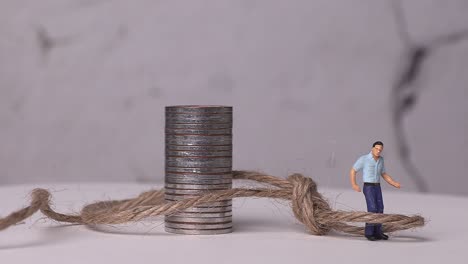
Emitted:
pixel 377 143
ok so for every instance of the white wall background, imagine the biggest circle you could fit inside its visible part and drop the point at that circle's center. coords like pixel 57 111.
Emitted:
pixel 83 85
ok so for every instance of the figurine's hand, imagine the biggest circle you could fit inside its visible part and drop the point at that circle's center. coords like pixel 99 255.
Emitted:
pixel 396 185
pixel 356 188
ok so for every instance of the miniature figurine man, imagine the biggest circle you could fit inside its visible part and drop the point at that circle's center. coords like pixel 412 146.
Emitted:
pixel 372 166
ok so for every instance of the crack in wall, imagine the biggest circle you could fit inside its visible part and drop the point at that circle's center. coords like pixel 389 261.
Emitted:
pixel 405 93
pixel 47 43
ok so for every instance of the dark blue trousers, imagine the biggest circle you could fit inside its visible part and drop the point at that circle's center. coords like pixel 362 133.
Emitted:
pixel 374 200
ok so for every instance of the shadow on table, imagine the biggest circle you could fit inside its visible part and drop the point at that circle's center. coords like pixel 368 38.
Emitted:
pixel 60 233
pixel 47 236
pixel 265 225
pixel 257 225
pixel 392 238
pixel 142 228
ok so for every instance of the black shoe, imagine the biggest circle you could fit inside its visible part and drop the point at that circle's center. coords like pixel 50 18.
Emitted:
pixel 383 236
pixel 372 238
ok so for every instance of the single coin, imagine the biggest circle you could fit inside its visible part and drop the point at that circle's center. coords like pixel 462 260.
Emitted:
pixel 191 140
pixel 203 215
pixel 227 175
pixel 199 148
pixel 198 232
pixel 198 220
pixel 170 191
pixel 172 131
pixel 198 181
pixel 204 154
pixel 178 197
pixel 198 186
pixel 199 162
pixel 199 109
pixel 202 126
pixel 200 170
pixel 220 176
pixel 170 198
pixel 213 209
pixel 198 226
pixel 198 119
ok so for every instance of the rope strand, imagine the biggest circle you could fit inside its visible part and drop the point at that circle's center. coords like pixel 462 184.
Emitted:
pixel 308 206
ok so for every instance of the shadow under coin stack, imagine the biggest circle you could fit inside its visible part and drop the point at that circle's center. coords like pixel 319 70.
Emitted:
pixel 198 159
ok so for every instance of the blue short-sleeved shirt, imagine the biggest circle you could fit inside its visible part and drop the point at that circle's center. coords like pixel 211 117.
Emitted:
pixel 371 169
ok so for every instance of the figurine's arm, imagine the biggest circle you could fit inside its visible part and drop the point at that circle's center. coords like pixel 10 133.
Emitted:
pixel 391 181
pixel 352 177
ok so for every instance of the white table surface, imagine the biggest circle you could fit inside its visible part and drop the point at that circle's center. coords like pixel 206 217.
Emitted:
pixel 264 232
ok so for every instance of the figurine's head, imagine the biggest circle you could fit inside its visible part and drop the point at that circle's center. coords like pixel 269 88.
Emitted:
pixel 377 148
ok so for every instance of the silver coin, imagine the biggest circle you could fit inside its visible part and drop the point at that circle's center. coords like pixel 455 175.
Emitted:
pixel 197 140
pixel 199 126
pixel 171 170
pixel 198 186
pixel 213 176
pixel 214 119
pixel 181 231
pixel 202 176
pixel 178 197
pixel 171 198
pixel 170 191
pixel 198 148
pixel 213 209
pixel 185 153
pixel 195 115
pixel 198 220
pixel 198 109
pixel 208 182
pixel 197 180
pixel 197 159
pixel 184 192
pixel 200 180
pixel 211 119
pixel 217 138
pixel 172 131
pixel 198 226
pixel 188 181
pixel 203 215
pixel 199 162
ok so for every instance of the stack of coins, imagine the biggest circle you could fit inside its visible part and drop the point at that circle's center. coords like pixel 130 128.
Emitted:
pixel 198 159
